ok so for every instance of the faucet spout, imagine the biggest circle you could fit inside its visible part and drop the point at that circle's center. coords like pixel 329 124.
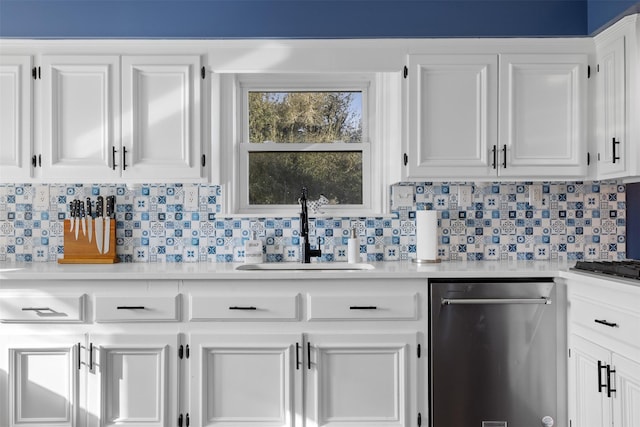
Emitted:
pixel 305 246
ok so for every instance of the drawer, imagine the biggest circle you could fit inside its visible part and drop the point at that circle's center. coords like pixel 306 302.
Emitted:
pixel 362 307
pixel 137 309
pixel 53 309
pixel 613 321
pixel 259 307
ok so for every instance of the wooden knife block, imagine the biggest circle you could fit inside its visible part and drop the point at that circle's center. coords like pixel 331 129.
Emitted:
pixel 82 251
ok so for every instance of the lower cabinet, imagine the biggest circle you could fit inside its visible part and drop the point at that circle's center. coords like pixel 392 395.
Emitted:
pixel 42 380
pixel 604 358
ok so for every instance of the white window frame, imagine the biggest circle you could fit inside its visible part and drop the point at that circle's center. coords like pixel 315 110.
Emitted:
pixel 372 186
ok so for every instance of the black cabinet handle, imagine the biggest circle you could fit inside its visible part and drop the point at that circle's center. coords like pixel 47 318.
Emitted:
pixel 601 366
pixel 614 143
pixel 130 307
pixel 124 158
pixel 609 388
pixel 113 158
pixel 363 307
pixel 78 356
pixel 297 356
pixel 34 161
pixel 606 323
pixel 504 156
pixel 494 152
pixel 90 356
pixel 235 307
pixel 36 309
pixel 308 355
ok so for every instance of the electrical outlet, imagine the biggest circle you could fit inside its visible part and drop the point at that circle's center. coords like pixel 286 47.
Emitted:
pixel 191 198
pixel 535 195
pixel 41 198
pixel 464 196
pixel 402 196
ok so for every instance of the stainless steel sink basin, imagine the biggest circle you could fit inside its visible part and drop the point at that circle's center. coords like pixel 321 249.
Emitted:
pixel 280 266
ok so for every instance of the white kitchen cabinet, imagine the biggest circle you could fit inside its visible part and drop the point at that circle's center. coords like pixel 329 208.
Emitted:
pixel 133 380
pixel 453 115
pixel 542 124
pixel 42 380
pixel 15 118
pixel 604 372
pixel 80 117
pixel 497 115
pixel 246 379
pixel 161 109
pixel 361 379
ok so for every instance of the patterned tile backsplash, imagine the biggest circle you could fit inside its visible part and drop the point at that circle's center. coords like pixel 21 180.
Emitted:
pixel 182 223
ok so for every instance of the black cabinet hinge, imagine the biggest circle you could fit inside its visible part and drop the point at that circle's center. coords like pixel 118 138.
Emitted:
pixel 419 419
pixel 588 71
pixel 203 161
pixel 202 73
pixel 419 351
pixel 588 158
pixel 405 72
pixel 405 159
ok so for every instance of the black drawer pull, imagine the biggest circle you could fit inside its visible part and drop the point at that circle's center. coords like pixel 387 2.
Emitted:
pixel 605 323
pixel 130 307
pixel 363 307
pixel 36 309
pixel 235 307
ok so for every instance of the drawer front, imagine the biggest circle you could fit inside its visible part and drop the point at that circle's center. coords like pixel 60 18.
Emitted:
pixel 52 309
pixel 260 307
pixel 613 321
pixel 137 309
pixel 362 307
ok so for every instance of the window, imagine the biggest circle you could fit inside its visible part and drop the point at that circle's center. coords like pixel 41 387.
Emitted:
pixel 304 131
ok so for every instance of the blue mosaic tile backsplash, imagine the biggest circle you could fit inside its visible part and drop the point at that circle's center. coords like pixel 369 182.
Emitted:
pixel 182 223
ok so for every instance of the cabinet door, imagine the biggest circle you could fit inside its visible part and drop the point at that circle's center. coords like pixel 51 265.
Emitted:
pixel 15 118
pixel 250 380
pixel 133 380
pixel 80 117
pixel 626 402
pixel 361 380
pixel 611 92
pixel 452 115
pixel 43 380
pixel 161 117
pixel 589 405
pixel 543 115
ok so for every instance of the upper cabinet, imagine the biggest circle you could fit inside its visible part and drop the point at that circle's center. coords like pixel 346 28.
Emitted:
pixel 102 118
pixel 489 116
pixel 617 135
pixel 15 117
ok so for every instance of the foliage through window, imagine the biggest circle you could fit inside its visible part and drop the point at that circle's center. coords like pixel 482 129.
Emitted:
pixel 299 137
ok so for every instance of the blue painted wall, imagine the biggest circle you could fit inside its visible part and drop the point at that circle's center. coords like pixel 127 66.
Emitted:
pixel 602 12
pixel 291 18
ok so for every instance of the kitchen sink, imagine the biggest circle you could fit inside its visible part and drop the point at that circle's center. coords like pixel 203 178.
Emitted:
pixel 280 266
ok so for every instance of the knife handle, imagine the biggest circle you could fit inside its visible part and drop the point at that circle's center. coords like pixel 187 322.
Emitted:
pixel 100 206
pixel 89 207
pixel 110 205
pixel 81 214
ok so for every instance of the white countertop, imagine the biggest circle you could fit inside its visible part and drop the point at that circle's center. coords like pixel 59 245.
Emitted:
pixel 227 271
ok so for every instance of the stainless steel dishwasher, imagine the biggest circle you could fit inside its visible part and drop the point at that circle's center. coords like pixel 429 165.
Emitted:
pixel 493 353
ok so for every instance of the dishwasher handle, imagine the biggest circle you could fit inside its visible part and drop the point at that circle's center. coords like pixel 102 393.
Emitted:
pixel 479 301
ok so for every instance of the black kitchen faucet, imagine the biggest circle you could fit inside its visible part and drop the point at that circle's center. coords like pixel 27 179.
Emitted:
pixel 307 252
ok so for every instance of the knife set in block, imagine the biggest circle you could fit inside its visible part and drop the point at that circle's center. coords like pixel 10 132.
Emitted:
pixel 90 239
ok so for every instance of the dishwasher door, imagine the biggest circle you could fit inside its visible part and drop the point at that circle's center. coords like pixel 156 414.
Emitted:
pixel 493 353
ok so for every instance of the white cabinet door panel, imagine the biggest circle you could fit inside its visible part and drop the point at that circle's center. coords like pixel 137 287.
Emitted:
pixel 626 402
pixel 361 380
pixel 15 118
pixel 247 379
pixel 43 378
pixel 453 115
pixel 161 117
pixel 543 115
pixel 80 117
pixel 133 380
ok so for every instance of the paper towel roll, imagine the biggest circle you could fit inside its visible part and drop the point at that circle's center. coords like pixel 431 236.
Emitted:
pixel 426 236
